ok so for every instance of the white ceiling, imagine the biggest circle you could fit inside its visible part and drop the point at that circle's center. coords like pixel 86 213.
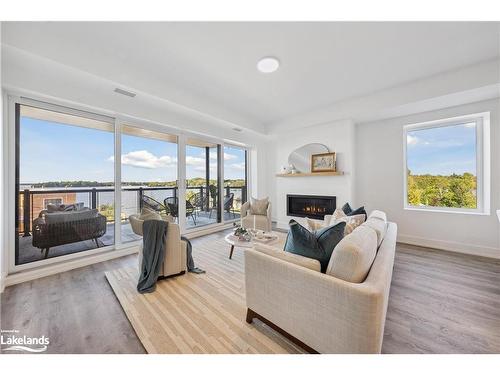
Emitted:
pixel 211 67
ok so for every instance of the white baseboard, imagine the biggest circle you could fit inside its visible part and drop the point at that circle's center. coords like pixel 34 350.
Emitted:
pixel 458 247
pixel 37 273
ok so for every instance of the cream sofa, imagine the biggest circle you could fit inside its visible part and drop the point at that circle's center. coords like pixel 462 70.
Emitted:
pixel 175 249
pixel 261 222
pixel 321 312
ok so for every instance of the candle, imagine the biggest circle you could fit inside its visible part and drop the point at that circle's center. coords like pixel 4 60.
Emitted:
pixel 254 217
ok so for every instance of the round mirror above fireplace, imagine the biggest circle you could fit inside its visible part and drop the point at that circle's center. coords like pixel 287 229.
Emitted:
pixel 301 157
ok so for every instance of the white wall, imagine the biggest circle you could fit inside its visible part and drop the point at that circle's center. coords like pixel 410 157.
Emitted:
pixel 379 185
pixel 338 137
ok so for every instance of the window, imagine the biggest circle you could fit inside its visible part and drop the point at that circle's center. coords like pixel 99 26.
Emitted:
pixel 235 181
pixel 445 164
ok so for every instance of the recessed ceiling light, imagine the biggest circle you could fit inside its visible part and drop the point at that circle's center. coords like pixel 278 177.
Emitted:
pixel 268 64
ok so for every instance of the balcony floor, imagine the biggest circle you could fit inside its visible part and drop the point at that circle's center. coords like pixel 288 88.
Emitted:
pixel 28 253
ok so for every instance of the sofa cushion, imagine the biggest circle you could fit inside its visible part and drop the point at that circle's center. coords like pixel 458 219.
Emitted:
pixel 299 260
pixel 379 226
pixel 316 245
pixel 259 206
pixel 68 216
pixel 354 255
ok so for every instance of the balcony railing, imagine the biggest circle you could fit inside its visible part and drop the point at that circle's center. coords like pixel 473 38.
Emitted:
pixel 33 201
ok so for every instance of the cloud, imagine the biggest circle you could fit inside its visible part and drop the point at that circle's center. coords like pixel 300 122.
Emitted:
pixel 237 166
pixel 194 161
pixel 411 140
pixel 145 159
pixel 213 156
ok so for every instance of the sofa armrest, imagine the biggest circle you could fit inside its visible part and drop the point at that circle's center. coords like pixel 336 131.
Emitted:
pixel 328 314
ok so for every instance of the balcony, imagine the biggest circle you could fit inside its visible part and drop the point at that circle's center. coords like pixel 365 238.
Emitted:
pixel 201 210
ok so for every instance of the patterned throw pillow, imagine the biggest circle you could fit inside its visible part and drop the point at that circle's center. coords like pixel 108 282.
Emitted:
pixel 352 222
pixel 259 206
pixel 315 224
pixel 339 213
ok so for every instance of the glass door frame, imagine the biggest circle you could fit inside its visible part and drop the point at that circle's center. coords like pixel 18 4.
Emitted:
pixel 12 174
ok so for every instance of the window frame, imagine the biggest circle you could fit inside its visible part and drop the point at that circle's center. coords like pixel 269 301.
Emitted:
pixel 482 121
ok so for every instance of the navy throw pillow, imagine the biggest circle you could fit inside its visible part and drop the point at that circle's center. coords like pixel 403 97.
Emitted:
pixel 317 245
pixel 347 208
pixel 350 212
pixel 358 211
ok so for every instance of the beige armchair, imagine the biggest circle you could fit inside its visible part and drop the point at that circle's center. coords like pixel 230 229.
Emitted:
pixel 175 249
pixel 262 222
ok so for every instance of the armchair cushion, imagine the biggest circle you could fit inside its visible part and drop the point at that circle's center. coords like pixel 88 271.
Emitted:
pixel 147 214
pixel 69 216
pixel 317 245
pixel 259 206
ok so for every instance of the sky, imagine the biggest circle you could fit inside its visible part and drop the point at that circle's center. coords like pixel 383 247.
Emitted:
pixel 54 152
pixel 442 151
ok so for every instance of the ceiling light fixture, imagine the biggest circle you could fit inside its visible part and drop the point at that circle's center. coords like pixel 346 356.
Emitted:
pixel 268 64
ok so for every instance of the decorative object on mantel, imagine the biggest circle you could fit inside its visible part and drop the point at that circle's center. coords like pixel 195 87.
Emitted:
pixel 301 157
pixel 325 162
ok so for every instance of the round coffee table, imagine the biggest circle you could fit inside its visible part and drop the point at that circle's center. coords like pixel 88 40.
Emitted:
pixel 234 241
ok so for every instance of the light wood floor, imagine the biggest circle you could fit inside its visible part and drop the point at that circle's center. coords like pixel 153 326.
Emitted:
pixel 440 303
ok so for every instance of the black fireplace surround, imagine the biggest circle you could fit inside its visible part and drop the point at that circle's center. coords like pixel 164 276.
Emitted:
pixel 312 206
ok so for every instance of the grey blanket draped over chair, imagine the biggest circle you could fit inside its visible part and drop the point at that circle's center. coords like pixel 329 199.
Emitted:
pixel 154 235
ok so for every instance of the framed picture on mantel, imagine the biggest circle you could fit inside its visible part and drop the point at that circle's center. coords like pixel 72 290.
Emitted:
pixel 323 162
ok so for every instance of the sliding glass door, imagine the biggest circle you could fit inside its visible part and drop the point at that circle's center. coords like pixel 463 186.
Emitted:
pixel 64 189
pixel 67 162
pixel 148 175
pixel 202 183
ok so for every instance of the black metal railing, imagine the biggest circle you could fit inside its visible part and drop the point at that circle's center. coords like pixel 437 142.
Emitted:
pixel 33 201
